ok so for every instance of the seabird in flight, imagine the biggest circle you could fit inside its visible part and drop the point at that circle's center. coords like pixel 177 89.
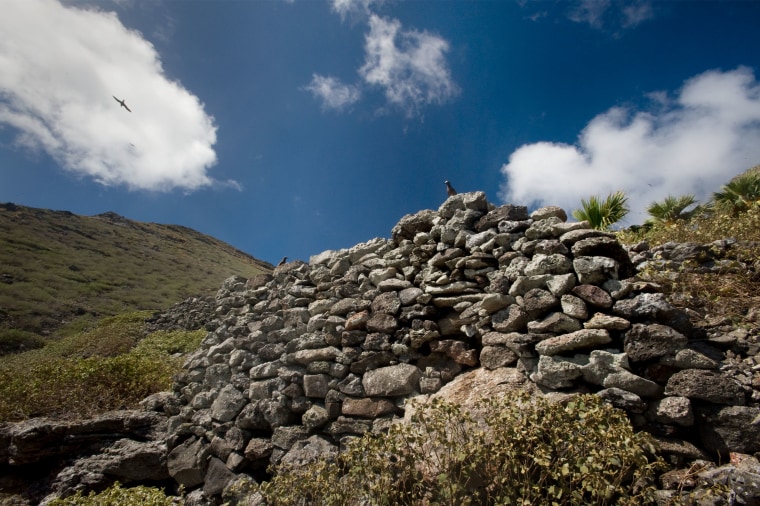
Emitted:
pixel 450 189
pixel 121 102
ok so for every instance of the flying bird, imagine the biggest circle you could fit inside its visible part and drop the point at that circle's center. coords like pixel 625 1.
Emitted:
pixel 450 189
pixel 121 102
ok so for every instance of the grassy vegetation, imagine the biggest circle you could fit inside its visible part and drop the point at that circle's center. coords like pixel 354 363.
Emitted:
pixel 729 294
pixel 59 272
pixel 112 366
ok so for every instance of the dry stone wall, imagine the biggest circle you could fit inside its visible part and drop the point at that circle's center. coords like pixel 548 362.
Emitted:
pixel 301 360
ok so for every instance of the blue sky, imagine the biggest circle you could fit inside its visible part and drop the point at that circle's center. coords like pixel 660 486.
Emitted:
pixel 293 127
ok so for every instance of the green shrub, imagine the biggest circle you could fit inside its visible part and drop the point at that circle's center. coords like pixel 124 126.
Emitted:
pixel 170 343
pixel 521 451
pixel 111 336
pixel 117 496
pixel 92 372
pixel 15 340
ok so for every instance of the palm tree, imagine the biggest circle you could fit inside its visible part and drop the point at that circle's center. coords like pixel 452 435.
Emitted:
pixel 601 214
pixel 740 194
pixel 673 209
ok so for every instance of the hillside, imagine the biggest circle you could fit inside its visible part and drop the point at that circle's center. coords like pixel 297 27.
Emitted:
pixel 60 271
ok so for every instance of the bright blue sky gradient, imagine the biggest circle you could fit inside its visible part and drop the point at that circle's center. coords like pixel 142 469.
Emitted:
pixel 289 128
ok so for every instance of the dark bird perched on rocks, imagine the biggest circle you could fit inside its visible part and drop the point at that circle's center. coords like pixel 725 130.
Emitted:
pixel 450 189
pixel 121 102
pixel 282 262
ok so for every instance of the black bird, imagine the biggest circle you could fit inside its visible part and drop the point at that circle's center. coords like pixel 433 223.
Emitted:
pixel 121 102
pixel 450 189
pixel 282 262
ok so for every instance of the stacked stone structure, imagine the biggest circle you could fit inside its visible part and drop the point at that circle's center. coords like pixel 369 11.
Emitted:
pixel 301 360
pixel 468 300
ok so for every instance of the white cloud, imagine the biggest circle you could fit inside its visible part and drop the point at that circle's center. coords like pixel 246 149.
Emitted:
pixel 636 13
pixel 353 7
pixel 60 66
pixel 590 11
pixel 333 93
pixel 612 16
pixel 691 144
pixel 408 65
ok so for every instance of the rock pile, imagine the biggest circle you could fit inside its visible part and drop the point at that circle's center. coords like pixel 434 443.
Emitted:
pixel 316 353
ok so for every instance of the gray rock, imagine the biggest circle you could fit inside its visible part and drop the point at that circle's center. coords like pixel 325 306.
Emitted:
pixel 653 306
pixel 537 302
pixel 308 451
pixel 367 408
pixel 512 319
pixel 595 270
pixel 579 339
pixel 593 295
pixel 187 463
pixel 408 296
pixel 259 449
pixel 392 381
pixel 574 306
pixel 604 321
pixel 315 417
pixel 604 246
pixel 228 404
pixel 559 372
pixel 672 410
pixel 493 357
pixel 573 236
pixel 545 212
pixel 383 323
pixel 412 224
pixel 706 386
pixel 493 302
pixel 622 399
pixel 630 382
pixel 543 229
pixel 603 363
pixel 548 264
pixel 507 212
pixel 729 428
pixel 348 305
pixel 387 302
pixel 645 342
pixel 315 385
pixel 555 323
pixel 561 284
pixel 218 476
pixel 474 201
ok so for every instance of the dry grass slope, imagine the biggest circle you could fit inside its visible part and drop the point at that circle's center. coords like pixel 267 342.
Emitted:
pixel 60 272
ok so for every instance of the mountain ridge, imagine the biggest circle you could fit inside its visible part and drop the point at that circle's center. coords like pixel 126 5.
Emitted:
pixel 59 271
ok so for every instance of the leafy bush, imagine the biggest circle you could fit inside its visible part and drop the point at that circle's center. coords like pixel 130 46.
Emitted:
pixel 115 495
pixel 92 372
pixel 506 451
pixel 110 337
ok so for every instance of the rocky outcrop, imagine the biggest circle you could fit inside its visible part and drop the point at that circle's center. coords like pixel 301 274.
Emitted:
pixel 328 350
pixel 40 457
